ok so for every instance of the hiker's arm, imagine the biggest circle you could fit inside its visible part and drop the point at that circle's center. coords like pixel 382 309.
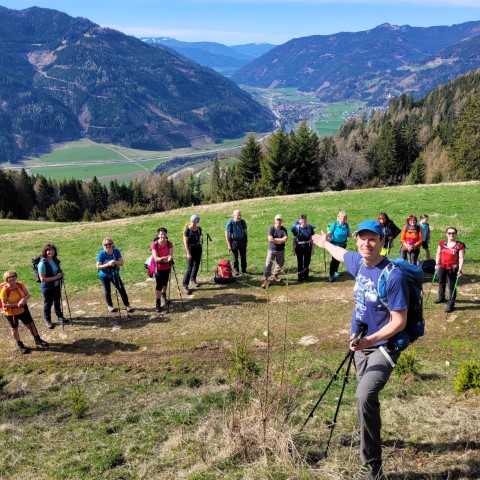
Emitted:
pixel 24 300
pixel 320 240
pixel 227 239
pixel 43 278
pixel 187 250
pixel 118 262
pixel 461 257
pixel 396 324
pixel 437 258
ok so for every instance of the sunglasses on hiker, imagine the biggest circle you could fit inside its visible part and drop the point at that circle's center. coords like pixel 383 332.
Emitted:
pixel 107 244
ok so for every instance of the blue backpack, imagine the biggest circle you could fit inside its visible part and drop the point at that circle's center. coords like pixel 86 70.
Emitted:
pixel 415 327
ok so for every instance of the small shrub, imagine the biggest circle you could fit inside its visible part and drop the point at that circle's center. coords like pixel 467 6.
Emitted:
pixel 407 363
pixel 468 377
pixel 244 367
pixel 78 401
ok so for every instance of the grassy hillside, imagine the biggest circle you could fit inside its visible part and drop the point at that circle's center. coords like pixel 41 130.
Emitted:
pixel 203 392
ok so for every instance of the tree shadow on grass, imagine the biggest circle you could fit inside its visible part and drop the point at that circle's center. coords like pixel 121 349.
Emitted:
pixel 469 470
pixel 92 346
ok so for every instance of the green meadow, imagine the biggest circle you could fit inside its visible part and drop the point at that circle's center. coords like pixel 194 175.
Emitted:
pixel 219 386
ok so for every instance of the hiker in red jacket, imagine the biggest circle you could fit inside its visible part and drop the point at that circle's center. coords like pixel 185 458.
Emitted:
pixel 449 265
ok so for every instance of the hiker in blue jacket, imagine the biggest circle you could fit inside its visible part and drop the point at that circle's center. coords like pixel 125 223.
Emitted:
pixel 374 361
pixel 303 246
pixel 338 234
pixel 237 240
pixel 51 276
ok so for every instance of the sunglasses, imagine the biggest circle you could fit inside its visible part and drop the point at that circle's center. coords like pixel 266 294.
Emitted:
pixel 107 244
pixel 451 233
pixel 12 278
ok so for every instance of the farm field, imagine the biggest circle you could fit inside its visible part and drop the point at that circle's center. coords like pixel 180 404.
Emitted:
pixel 220 385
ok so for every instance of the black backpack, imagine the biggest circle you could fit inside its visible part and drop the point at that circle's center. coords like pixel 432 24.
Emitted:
pixel 35 262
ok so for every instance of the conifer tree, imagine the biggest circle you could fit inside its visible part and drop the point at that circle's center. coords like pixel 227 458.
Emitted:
pixel 306 158
pixel 466 144
pixel 216 182
pixel 248 165
pixel 276 167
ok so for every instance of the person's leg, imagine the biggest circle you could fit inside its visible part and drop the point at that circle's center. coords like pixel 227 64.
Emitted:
pixel 57 301
pixel 235 251
pixel 334 263
pixel 373 372
pixel 118 283
pixel 300 264
pixel 307 256
pixel 452 279
pixel 107 290
pixel 268 264
pixel 279 260
pixel 188 272
pixel 197 258
pixel 415 254
pixel 48 298
pixel 441 279
pixel 158 290
pixel 242 248
pixel 403 253
pixel 27 320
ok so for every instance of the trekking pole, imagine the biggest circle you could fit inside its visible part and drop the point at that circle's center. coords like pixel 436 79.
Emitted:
pixel 209 239
pixel 68 303
pixel 169 291
pixel 431 286
pixel 325 260
pixel 178 286
pixel 361 332
pixel 116 294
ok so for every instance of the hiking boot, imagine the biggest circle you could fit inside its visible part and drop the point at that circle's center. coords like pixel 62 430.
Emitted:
pixel 330 278
pixel 195 284
pixel 49 324
pixel 449 307
pixel 350 440
pixel 440 300
pixel 236 273
pixel 165 300
pixel 64 321
pixel 112 309
pixel 22 348
pixel 186 290
pixel 158 305
pixel 337 274
pixel 277 279
pixel 265 283
pixel 41 343
pixel 129 309
pixel 370 472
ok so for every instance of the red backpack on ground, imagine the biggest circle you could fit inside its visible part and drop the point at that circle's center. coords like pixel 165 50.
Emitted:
pixel 223 272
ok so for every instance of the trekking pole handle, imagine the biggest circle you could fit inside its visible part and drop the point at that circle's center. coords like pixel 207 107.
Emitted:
pixel 209 238
pixel 362 329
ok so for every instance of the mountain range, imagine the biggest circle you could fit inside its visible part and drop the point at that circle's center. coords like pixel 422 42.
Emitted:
pixel 222 58
pixel 64 78
pixel 372 66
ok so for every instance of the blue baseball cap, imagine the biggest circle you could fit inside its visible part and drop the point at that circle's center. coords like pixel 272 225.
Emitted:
pixel 195 218
pixel 371 226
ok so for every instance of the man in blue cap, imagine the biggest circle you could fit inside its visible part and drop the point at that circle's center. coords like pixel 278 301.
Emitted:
pixel 374 361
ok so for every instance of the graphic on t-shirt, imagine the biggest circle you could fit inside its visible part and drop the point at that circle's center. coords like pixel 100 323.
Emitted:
pixel 364 291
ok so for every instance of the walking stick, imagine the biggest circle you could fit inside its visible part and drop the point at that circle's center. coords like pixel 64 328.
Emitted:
pixel 68 303
pixel 361 332
pixel 324 260
pixel 117 286
pixel 452 294
pixel 172 263
pixel 209 239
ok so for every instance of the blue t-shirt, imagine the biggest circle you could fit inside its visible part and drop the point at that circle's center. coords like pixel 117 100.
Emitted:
pixel 42 268
pixel 368 307
pixel 425 231
pixel 236 229
pixel 339 233
pixel 103 257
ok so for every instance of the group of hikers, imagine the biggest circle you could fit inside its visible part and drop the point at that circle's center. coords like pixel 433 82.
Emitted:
pixel 377 318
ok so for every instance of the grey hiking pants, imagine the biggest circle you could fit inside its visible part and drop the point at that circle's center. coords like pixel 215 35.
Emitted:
pixel 278 258
pixel 373 372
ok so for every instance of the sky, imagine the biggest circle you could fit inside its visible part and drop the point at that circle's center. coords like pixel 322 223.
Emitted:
pixel 237 22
